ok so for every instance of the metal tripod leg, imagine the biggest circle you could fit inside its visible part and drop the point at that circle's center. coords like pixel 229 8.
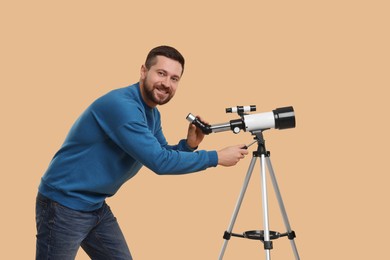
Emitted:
pixel 267 240
pixel 237 208
pixel 281 206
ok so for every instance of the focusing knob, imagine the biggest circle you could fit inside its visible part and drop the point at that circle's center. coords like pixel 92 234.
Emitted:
pixel 236 130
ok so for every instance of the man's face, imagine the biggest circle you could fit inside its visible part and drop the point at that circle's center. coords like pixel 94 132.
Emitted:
pixel 159 83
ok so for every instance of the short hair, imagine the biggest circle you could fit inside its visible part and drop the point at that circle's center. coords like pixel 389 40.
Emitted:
pixel 165 51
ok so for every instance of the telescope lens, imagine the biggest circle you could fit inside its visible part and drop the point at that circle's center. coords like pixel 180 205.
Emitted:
pixel 284 117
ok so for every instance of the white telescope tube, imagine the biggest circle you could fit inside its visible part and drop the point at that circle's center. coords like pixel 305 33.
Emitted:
pixel 259 121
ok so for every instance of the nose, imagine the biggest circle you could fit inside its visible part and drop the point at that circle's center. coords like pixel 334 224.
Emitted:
pixel 166 82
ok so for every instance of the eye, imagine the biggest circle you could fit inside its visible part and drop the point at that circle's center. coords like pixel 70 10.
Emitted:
pixel 175 79
pixel 161 73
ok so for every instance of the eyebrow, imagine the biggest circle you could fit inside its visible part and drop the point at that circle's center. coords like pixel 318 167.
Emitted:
pixel 174 75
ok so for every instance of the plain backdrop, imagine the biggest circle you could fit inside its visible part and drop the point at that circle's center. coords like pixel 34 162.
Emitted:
pixel 330 60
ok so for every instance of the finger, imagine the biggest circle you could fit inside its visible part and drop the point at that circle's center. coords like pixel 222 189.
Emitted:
pixel 244 151
pixel 192 127
pixel 243 148
pixel 202 120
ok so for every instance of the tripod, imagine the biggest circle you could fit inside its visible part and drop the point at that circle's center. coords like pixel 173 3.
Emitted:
pixel 265 236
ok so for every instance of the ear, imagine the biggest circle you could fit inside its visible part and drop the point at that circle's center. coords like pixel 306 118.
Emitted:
pixel 144 70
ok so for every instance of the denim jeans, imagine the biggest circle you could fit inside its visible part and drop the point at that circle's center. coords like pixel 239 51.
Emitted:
pixel 61 231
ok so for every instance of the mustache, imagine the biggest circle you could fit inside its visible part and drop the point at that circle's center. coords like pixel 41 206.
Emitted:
pixel 161 86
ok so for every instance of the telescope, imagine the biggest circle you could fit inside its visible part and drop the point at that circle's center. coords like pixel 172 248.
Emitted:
pixel 279 118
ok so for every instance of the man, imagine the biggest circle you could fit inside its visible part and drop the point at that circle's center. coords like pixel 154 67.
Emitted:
pixel 108 144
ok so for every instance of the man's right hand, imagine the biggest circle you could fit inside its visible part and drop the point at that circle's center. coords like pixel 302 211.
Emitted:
pixel 231 155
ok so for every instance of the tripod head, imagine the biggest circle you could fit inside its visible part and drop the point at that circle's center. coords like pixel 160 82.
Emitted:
pixel 279 118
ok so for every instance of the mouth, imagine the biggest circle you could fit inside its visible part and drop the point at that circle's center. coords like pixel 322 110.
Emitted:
pixel 162 91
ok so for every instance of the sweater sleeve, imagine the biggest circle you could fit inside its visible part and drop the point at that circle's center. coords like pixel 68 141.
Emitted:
pixel 137 140
pixel 181 146
pixel 126 124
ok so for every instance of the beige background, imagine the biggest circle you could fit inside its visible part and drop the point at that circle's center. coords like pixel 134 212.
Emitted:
pixel 328 59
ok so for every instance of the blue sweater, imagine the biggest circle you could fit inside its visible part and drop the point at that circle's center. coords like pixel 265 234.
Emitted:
pixel 108 144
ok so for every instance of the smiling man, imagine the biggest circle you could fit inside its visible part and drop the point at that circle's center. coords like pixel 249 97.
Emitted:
pixel 107 145
pixel 159 80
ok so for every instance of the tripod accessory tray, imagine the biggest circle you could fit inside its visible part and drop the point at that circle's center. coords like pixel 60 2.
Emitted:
pixel 259 235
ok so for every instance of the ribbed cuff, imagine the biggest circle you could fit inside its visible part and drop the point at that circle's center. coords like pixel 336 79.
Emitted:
pixel 213 158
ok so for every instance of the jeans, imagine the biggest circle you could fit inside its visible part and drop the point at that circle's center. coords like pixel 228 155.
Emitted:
pixel 61 231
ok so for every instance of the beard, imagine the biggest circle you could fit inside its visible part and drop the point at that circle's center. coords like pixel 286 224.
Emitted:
pixel 157 93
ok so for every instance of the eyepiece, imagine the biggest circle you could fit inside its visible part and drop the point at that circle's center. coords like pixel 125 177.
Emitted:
pixel 194 120
pixel 190 117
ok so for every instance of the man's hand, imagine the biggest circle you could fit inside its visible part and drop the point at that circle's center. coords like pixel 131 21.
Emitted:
pixel 195 135
pixel 231 155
